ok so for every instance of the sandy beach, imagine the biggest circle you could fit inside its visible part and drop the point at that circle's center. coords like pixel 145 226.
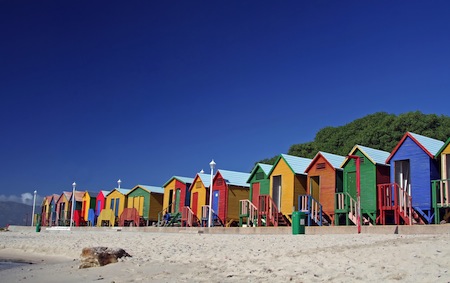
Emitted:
pixel 205 257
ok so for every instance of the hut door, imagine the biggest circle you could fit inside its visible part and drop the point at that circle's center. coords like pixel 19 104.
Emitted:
pixel 402 177
pixel 447 166
pixel 97 211
pixel 351 184
pixel 276 190
pixel 195 203
pixel 255 194
pixel 177 200
pixel 170 208
pixel 116 208
pixel 314 187
pixel 215 204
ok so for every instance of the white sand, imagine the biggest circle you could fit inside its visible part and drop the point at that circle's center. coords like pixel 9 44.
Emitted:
pixel 192 257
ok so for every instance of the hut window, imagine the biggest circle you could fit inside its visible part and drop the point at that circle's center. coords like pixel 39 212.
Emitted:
pixel 320 165
pixel 259 175
pixel 219 182
pixel 198 184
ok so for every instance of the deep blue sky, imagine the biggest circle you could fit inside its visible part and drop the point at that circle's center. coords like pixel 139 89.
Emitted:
pixel 94 91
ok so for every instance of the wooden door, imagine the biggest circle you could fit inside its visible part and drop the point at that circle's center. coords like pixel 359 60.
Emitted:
pixel 314 187
pixel 255 194
pixel 195 203
pixel 276 190
pixel 177 200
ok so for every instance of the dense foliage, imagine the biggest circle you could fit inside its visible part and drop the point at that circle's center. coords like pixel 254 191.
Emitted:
pixel 379 130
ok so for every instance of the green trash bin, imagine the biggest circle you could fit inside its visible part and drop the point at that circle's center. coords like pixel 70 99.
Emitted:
pixel 298 222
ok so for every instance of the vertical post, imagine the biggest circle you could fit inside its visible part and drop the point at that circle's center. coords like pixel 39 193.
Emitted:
pixel 34 206
pixel 211 164
pixel 73 203
pixel 358 190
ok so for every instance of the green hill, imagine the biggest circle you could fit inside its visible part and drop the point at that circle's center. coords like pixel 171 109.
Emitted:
pixel 379 130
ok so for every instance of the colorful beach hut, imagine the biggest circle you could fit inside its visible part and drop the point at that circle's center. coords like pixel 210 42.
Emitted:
pixel 259 185
pixel 407 198
pixel 176 194
pixel 63 209
pixel 48 208
pixel 88 207
pixel 143 205
pixel 100 202
pixel 441 187
pixel 324 180
pixel 229 187
pixel 77 213
pixel 288 180
pixel 116 200
pixel 199 191
pixel 373 171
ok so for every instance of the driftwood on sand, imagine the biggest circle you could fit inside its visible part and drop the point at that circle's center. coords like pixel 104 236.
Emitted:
pixel 99 256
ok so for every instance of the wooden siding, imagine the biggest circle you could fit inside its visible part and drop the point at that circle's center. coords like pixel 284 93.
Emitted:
pixel 367 182
pixel 171 188
pixel 220 185
pixel 102 200
pixel 198 187
pixel 156 205
pixel 114 196
pixel 287 186
pixel 264 185
pixel 423 169
pixel 444 165
pixel 327 183
pixel 235 194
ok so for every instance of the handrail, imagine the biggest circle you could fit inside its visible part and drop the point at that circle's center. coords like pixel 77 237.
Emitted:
pixel 440 196
pixel 249 210
pixel 268 208
pixel 393 197
pixel 340 201
pixel 187 215
pixel 160 213
pixel 309 205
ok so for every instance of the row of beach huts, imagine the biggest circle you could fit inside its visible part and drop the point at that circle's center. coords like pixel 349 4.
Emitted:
pixel 409 185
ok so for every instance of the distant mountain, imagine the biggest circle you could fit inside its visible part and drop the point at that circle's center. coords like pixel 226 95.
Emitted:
pixel 14 213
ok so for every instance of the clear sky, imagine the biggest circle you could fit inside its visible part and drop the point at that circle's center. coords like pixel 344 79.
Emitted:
pixel 94 91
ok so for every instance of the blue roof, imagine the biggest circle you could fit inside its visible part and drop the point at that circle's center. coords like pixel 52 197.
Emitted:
pixel 297 164
pixel 375 155
pixel 235 178
pixel 335 160
pixel 432 145
pixel 121 190
pixel 105 192
pixel 152 189
pixel 265 167
pixel 205 178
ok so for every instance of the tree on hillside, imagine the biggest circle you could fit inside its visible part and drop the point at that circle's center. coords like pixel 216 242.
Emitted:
pixel 379 130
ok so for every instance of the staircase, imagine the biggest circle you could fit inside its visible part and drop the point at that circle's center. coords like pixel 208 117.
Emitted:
pixel 313 210
pixel 269 215
pixel 247 213
pixel 345 202
pixel 394 201
pixel 216 221
pixel 440 193
pixel 188 218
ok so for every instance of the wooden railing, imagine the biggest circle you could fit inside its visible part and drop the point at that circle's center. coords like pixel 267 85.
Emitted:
pixel 392 197
pixel 440 190
pixel 187 216
pixel 311 207
pixel 267 210
pixel 247 210
pixel 161 213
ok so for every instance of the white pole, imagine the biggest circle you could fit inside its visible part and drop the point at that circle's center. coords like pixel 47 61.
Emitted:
pixel 73 203
pixel 34 206
pixel 211 164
